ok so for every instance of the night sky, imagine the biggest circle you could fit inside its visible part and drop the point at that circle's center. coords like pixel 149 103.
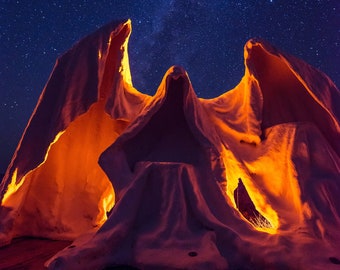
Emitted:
pixel 205 37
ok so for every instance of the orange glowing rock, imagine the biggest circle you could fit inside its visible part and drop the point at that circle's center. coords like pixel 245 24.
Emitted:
pixel 249 179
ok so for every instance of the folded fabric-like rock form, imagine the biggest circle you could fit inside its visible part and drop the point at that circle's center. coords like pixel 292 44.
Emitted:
pixel 247 180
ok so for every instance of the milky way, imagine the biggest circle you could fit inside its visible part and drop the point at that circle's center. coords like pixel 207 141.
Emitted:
pixel 205 37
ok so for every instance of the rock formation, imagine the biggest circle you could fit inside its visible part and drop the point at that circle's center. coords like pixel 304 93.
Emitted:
pixel 247 180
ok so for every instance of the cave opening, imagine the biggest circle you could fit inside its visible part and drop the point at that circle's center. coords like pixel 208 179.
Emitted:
pixel 247 208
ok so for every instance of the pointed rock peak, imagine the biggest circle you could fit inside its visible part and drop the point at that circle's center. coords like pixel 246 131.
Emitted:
pixel 176 78
pixel 176 72
pixel 256 46
pixel 283 81
pixel 122 31
pixel 175 86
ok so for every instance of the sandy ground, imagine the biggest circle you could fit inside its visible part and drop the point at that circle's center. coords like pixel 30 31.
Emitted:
pixel 29 253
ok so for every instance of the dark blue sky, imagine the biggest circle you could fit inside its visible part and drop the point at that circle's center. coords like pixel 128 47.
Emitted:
pixel 205 37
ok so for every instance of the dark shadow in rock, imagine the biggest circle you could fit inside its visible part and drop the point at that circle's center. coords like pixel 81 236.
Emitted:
pixel 334 260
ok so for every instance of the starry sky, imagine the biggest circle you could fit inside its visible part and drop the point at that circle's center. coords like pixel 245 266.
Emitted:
pixel 206 37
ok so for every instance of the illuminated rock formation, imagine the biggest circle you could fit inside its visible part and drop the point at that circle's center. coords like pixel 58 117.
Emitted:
pixel 249 179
